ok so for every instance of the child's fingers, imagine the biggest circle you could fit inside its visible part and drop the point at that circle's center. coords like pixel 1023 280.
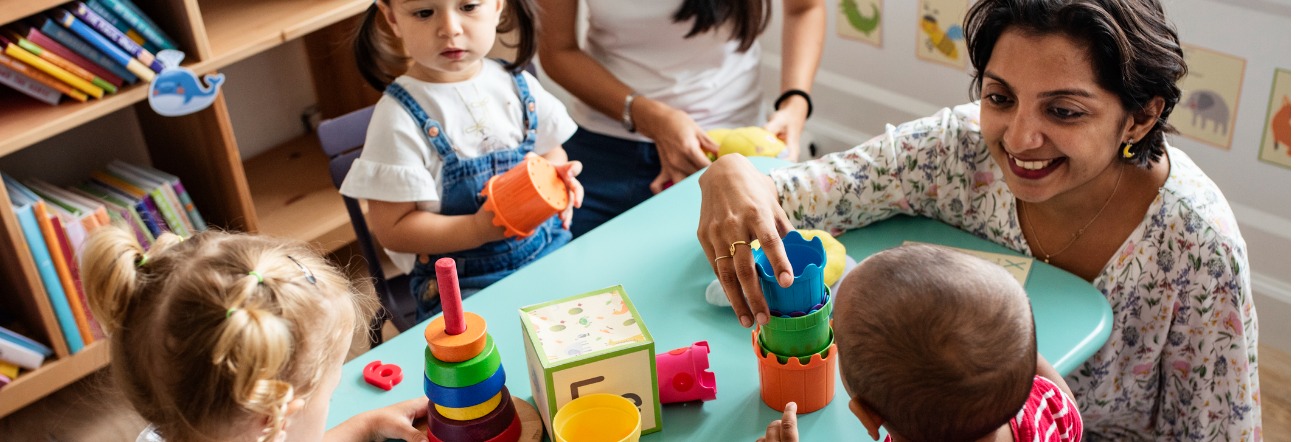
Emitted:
pixel 566 217
pixel 790 423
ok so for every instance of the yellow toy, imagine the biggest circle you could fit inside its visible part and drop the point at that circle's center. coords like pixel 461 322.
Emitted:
pixel 749 141
pixel 836 254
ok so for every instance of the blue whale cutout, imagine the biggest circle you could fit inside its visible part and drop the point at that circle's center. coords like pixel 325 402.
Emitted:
pixel 177 91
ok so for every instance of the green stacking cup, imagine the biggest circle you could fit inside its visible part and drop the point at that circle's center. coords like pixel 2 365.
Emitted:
pixel 780 358
pixel 798 336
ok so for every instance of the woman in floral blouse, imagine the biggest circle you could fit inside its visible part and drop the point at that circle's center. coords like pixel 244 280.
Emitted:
pixel 1064 158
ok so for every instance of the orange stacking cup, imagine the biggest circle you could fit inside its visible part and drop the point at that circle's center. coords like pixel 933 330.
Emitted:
pixel 810 385
pixel 525 196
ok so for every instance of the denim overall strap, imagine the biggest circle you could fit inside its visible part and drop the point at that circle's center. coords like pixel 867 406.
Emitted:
pixel 530 112
pixel 431 128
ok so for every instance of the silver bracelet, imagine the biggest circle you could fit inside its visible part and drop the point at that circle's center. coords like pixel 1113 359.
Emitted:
pixel 627 112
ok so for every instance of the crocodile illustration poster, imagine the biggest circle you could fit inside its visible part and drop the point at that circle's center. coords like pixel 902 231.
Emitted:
pixel 177 91
pixel 1275 147
pixel 860 20
pixel 938 32
pixel 1211 94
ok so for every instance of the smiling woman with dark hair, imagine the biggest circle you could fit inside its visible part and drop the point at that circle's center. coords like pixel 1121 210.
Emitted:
pixel 1063 157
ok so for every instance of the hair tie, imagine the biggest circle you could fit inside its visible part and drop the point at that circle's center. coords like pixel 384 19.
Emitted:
pixel 258 275
pixel 230 311
pixel 143 259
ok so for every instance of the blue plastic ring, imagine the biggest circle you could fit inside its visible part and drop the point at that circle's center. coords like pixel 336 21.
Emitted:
pixel 461 397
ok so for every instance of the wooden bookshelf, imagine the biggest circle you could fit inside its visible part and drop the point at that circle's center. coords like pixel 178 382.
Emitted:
pixel 303 205
pixel 285 192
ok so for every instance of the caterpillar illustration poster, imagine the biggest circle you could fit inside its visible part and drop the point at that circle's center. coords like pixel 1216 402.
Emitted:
pixel 1276 144
pixel 938 34
pixel 1211 94
pixel 860 20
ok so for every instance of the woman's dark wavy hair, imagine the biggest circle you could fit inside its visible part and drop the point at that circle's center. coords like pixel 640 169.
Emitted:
pixel 381 57
pixel 748 18
pixel 1134 48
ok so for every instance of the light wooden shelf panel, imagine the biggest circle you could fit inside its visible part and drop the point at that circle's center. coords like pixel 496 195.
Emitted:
pixel 53 375
pixel 240 28
pixel 24 121
pixel 294 196
pixel 15 10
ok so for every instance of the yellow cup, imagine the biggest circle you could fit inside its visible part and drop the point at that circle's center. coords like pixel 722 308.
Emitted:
pixel 598 417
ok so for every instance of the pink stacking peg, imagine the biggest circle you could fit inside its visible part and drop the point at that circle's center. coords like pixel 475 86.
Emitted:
pixel 449 290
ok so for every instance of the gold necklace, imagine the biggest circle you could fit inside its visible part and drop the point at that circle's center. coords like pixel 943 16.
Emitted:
pixel 1047 257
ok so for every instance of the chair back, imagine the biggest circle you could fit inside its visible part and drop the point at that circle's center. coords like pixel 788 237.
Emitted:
pixel 342 138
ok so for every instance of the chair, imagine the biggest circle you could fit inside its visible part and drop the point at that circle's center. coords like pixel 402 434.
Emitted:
pixel 341 138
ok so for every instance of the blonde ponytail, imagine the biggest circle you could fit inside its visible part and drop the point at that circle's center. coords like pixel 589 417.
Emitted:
pixel 110 267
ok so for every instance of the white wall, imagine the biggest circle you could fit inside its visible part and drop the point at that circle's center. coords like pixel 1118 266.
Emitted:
pixel 861 87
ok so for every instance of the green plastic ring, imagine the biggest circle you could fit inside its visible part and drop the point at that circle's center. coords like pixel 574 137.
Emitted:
pixel 463 374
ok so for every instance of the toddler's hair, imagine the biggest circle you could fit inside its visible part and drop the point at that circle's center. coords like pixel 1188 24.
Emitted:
pixel 381 58
pixel 939 343
pixel 215 335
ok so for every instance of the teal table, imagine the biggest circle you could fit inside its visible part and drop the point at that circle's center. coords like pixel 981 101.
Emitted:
pixel 653 252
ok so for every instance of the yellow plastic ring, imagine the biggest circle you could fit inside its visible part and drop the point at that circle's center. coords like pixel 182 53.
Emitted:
pixel 469 413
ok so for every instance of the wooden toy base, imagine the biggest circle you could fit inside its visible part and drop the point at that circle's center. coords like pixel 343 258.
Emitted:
pixel 530 421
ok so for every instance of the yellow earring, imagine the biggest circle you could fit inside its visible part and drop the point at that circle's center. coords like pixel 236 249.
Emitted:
pixel 1128 149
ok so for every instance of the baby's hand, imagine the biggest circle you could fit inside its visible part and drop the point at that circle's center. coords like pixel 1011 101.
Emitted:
pixel 391 422
pixel 569 174
pixel 786 429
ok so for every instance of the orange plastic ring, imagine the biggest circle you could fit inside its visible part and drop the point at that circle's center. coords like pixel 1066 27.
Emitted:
pixel 456 348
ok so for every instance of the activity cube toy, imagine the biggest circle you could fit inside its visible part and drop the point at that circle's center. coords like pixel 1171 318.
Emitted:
pixel 594 342
pixel 796 349
pixel 463 376
pixel 525 196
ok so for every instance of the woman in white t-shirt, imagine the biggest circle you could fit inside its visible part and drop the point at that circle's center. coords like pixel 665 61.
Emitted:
pixel 651 77
pixel 442 129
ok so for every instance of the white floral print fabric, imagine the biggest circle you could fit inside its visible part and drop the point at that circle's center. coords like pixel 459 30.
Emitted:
pixel 1180 363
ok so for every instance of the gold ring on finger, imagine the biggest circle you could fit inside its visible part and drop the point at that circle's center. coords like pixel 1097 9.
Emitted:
pixel 715 260
pixel 733 246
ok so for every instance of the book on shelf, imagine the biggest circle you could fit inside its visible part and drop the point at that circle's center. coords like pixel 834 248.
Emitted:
pixel 8 369
pixel 77 221
pixel 41 77
pixel 28 86
pixel 162 192
pixel 128 12
pixel 68 39
pixel 93 19
pixel 18 339
pixel 49 44
pixel 186 203
pixel 25 206
pixel 94 331
pixel 46 221
pixel 120 212
pixel 120 24
pixel 143 202
pixel 102 44
pixel 11 49
pixel 57 60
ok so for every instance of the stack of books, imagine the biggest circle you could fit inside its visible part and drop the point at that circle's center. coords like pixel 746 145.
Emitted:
pixel 83 50
pixel 56 222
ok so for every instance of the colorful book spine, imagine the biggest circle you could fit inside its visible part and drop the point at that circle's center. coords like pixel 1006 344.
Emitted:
pixel 118 23
pixel 65 37
pixel 9 370
pixel 18 339
pixel 42 77
pixel 50 45
pixel 187 203
pixel 49 278
pixel 119 213
pixel 28 86
pixel 112 34
pixel 105 46
pixel 17 356
pixel 140 22
pixel 67 65
pixel 45 221
pixel 63 75
pixel 65 232
pixel 137 199
pixel 168 204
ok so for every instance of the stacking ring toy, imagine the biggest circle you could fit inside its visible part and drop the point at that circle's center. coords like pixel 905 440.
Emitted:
pixel 458 347
pixel 466 373
pixel 465 396
pixel 471 412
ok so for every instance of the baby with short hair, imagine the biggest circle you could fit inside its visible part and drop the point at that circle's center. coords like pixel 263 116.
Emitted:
pixel 937 345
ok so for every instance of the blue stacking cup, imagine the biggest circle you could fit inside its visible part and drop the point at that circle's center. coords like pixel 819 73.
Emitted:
pixel 808 259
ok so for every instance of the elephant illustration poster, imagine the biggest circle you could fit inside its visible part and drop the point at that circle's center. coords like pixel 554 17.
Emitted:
pixel 1211 94
pixel 860 20
pixel 1276 144
pixel 938 32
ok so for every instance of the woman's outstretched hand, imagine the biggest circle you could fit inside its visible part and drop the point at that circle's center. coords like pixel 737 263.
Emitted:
pixel 739 204
pixel 680 141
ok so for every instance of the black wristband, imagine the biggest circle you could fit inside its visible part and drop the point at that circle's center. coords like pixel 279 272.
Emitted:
pixel 791 92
